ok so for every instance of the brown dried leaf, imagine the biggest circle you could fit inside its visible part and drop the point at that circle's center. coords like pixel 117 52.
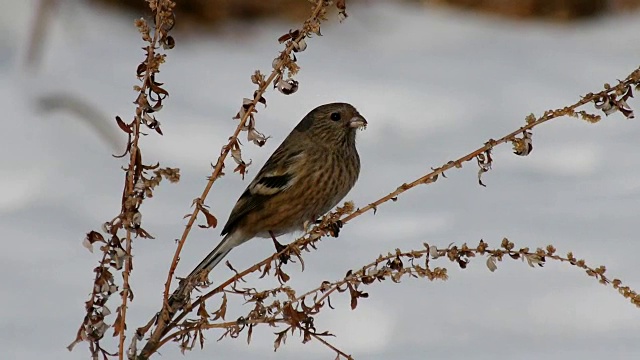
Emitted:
pixel 91 238
pixel 292 34
pixel 202 311
pixel 119 325
pixel 126 150
pixel 141 69
pixel 123 126
pixel 212 221
pixel 354 296
pixel 282 276
pixel 249 333
pixel 222 311
pixel 280 339
pixel 267 268
pixel 242 169
pixel 156 88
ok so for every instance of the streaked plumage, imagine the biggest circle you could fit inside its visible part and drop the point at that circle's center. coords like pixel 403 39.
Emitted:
pixel 307 175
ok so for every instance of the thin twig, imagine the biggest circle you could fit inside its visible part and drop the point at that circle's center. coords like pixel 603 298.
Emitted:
pixel 489 145
pixel 130 185
pixel 338 351
pixel 391 269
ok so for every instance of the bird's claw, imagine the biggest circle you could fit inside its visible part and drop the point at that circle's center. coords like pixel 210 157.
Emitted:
pixel 334 228
pixel 284 257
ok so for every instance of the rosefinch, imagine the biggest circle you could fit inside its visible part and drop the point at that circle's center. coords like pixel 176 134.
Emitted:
pixel 307 175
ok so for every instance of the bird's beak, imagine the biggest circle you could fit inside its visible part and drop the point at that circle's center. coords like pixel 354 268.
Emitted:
pixel 358 122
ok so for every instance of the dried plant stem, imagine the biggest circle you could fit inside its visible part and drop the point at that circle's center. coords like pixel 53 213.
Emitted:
pixel 129 186
pixel 138 185
pixel 129 190
pixel 124 296
pixel 90 304
pixel 392 266
pixel 220 288
pixel 326 343
pixel 154 340
pixel 489 145
pixel 460 255
pixel 172 336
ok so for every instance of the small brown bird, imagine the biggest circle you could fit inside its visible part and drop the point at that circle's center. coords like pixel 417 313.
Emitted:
pixel 307 175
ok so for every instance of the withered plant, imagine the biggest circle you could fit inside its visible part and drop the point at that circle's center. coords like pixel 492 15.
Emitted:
pixel 290 311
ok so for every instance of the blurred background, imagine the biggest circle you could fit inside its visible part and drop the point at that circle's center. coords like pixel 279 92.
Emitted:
pixel 213 12
pixel 435 79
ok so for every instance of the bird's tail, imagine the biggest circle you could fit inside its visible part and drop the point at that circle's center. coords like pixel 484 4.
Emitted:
pixel 215 256
pixel 209 262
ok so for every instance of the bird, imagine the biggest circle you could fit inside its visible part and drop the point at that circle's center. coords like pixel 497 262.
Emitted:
pixel 309 173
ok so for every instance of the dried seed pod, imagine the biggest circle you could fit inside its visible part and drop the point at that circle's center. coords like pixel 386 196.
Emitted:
pixel 256 137
pixel 605 104
pixel 342 10
pixel 275 62
pixel 168 43
pixel 625 109
pixel 300 45
pixel 257 78
pixel 288 86
pixel 523 146
pixel 484 163
pixel 260 98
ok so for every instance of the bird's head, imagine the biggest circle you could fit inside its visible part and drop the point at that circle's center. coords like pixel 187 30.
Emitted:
pixel 335 123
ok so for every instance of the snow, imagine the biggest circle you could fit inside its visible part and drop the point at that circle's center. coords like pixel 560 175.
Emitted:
pixel 434 84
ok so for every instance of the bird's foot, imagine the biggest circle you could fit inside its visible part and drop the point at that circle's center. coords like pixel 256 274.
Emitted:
pixel 284 257
pixel 334 228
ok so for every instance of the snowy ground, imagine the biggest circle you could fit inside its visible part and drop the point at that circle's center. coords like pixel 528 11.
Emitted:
pixel 433 84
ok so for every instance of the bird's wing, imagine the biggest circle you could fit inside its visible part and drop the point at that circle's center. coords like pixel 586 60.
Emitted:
pixel 277 175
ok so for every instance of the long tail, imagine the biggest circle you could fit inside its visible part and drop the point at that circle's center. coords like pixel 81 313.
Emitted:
pixel 216 255
pixel 210 261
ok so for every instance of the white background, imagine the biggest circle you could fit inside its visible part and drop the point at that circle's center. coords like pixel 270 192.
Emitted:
pixel 433 84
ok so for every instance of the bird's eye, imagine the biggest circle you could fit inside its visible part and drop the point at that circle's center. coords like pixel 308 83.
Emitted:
pixel 335 116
